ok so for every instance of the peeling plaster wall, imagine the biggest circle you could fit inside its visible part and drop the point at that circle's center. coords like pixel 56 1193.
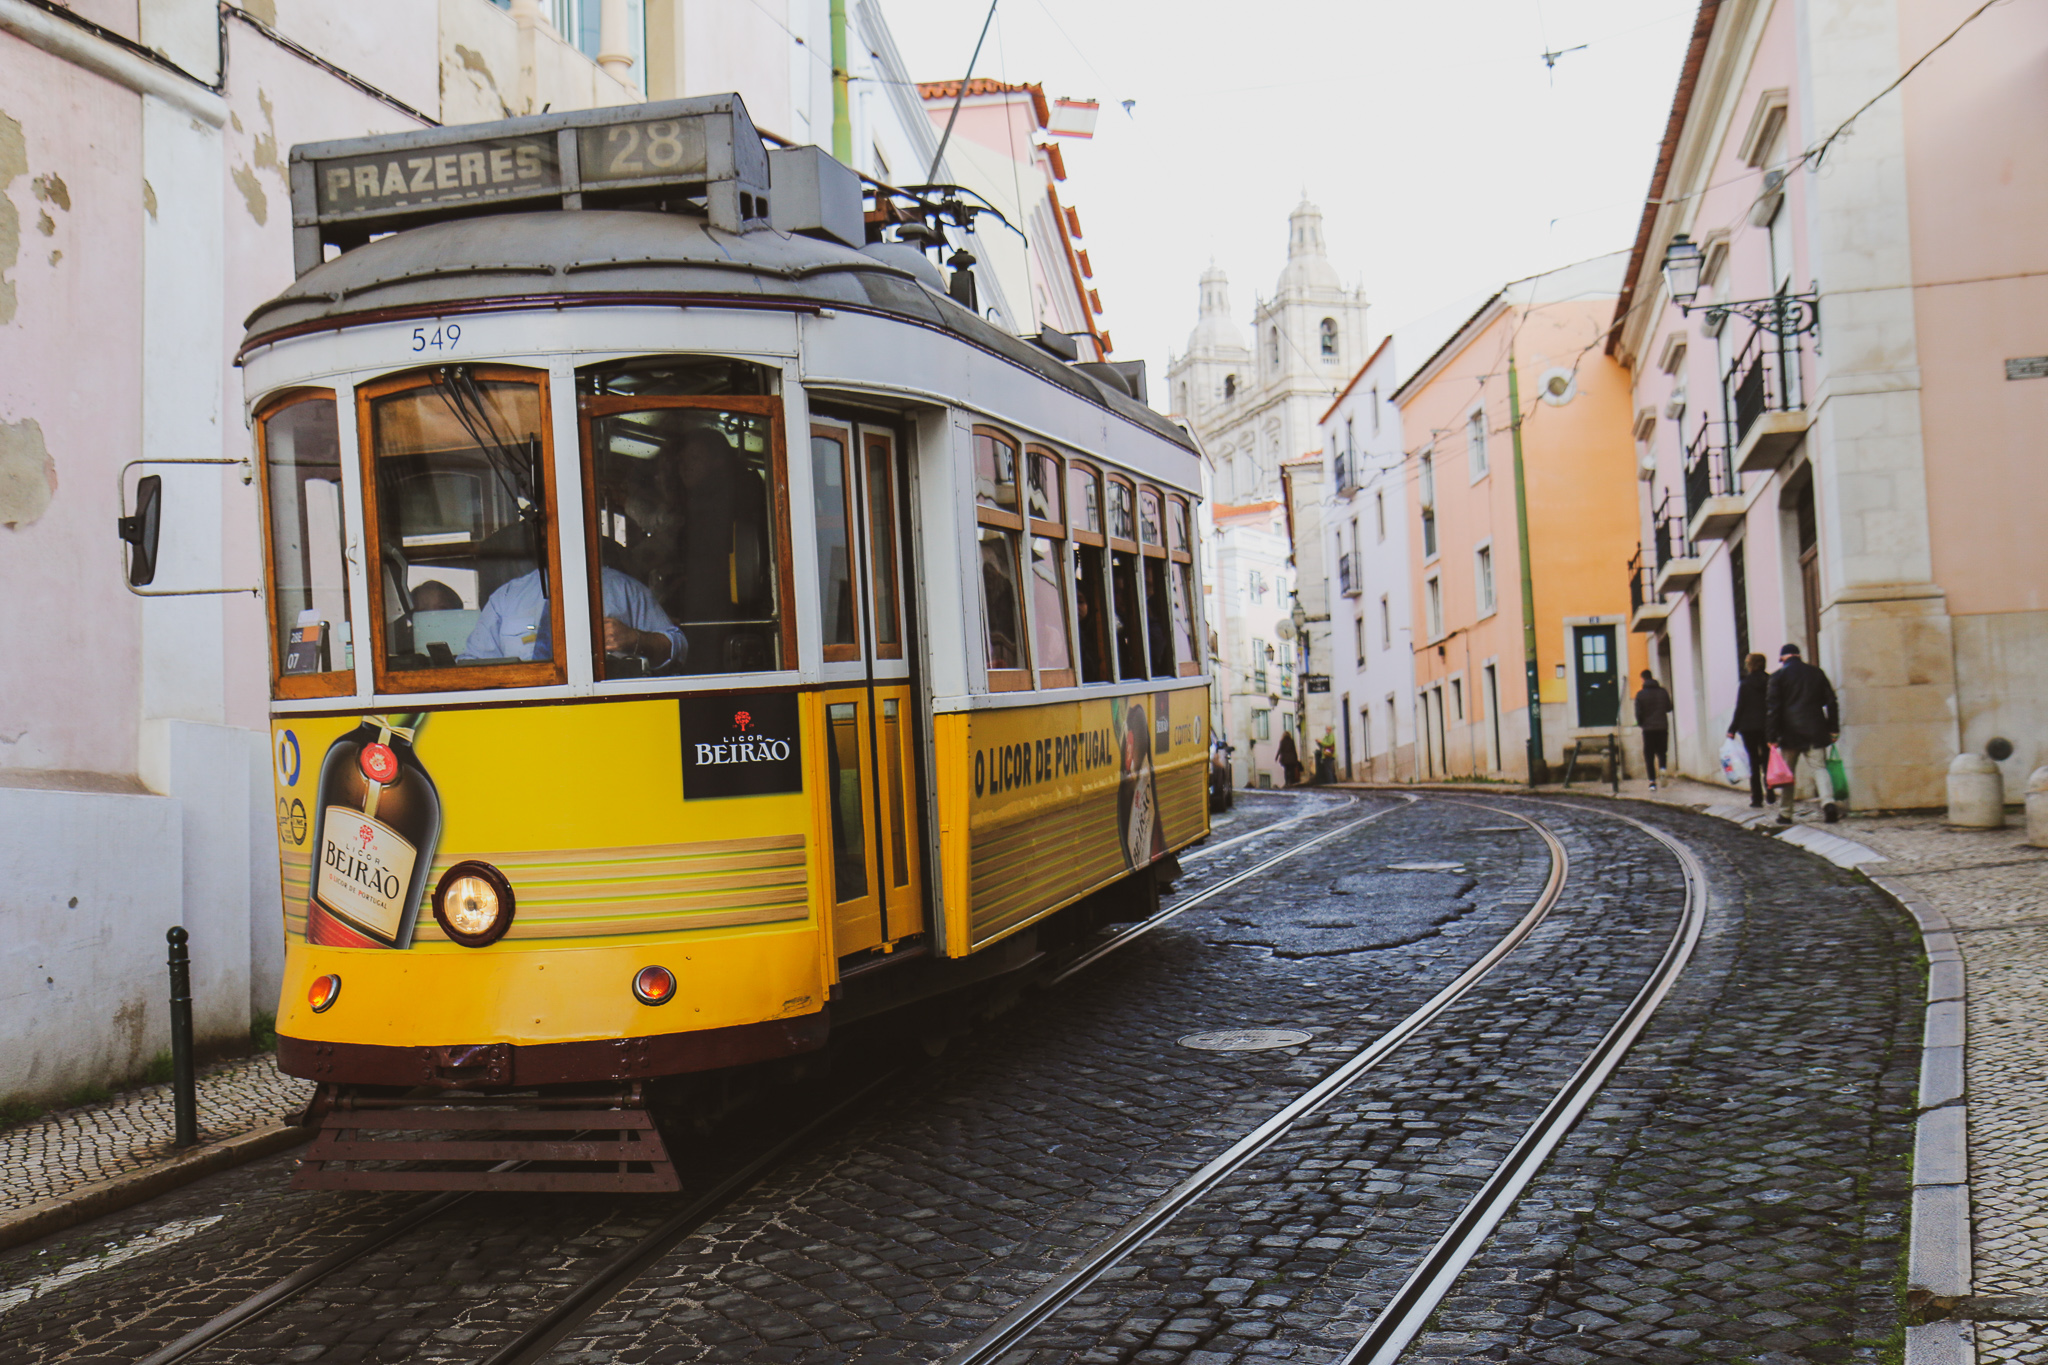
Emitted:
pixel 70 414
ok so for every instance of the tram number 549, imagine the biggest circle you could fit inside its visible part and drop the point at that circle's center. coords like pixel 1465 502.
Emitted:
pixel 440 339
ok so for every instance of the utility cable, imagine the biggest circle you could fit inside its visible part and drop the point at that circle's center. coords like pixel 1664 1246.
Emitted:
pixel 961 98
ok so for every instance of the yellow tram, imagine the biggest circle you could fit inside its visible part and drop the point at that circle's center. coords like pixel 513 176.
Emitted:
pixel 689 622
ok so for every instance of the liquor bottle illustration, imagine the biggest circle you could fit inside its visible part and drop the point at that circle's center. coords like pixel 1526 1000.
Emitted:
pixel 376 826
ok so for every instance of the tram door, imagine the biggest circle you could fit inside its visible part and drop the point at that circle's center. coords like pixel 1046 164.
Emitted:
pixel 877 890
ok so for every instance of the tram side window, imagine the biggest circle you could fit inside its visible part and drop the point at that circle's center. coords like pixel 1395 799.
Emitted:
pixel 460 497
pixel 1182 579
pixel 1126 606
pixel 1048 571
pixel 301 449
pixel 1091 575
pixel 1158 616
pixel 1000 526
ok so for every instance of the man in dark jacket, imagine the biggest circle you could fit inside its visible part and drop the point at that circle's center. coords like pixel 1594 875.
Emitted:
pixel 1751 708
pixel 1653 718
pixel 1801 716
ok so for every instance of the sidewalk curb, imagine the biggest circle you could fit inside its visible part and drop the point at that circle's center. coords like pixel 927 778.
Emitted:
pixel 132 1187
pixel 1938 1240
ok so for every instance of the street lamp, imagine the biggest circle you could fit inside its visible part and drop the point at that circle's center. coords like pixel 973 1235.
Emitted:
pixel 1682 271
pixel 1782 315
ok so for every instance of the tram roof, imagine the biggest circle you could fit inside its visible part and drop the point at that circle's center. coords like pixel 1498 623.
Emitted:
pixel 613 257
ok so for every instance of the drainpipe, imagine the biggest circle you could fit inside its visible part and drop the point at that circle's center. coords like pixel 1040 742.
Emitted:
pixel 1536 769
pixel 842 120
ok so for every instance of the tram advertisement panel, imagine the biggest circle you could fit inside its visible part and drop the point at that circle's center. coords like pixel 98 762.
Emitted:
pixel 581 808
pixel 1067 797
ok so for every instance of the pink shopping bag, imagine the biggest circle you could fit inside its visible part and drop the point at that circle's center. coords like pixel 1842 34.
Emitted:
pixel 1777 773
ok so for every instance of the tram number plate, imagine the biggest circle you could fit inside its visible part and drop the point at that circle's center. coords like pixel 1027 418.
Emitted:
pixel 636 151
pixel 438 337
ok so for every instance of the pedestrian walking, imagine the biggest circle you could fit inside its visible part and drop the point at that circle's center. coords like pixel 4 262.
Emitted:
pixel 1752 712
pixel 1653 718
pixel 1801 716
pixel 1289 758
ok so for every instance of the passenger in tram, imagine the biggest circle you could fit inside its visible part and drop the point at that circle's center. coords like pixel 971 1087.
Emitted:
pixel 718 569
pixel 434 595
pixel 515 623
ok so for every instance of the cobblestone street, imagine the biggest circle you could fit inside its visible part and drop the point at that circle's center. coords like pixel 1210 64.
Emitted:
pixel 1737 1190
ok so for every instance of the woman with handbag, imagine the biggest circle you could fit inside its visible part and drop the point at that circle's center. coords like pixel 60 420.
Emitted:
pixel 1751 714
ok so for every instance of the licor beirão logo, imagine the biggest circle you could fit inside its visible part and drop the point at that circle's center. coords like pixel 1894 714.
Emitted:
pixel 744 746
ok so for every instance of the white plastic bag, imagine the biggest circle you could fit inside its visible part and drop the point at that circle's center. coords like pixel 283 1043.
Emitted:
pixel 1735 760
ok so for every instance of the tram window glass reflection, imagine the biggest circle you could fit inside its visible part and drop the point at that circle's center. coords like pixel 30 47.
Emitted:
pixel 676 376
pixel 301 450
pixel 1150 529
pixel 1122 523
pixel 849 838
pixel 461 497
pixel 1181 582
pixel 1002 611
pixel 832 499
pixel 1049 613
pixel 1084 498
pixel 1043 495
pixel 1177 524
pixel 995 471
pixel 881 495
pixel 683 502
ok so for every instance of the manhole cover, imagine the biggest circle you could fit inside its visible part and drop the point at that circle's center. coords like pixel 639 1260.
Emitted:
pixel 1425 867
pixel 1245 1039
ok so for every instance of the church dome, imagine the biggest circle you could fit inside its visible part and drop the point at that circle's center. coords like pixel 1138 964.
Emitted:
pixel 1307 265
pixel 1215 331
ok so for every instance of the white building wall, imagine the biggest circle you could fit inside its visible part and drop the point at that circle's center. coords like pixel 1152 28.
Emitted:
pixel 1251 619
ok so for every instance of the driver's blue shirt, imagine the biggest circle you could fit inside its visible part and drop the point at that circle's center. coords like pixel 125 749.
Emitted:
pixel 514 623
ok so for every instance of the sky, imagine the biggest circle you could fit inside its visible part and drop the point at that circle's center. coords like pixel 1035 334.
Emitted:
pixel 1447 157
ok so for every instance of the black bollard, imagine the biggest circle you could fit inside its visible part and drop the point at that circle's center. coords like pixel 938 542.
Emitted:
pixel 183 1093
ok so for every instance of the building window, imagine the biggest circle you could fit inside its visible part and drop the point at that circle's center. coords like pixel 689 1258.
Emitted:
pixel 1475 443
pixel 1433 596
pixel 1229 388
pixel 1426 487
pixel 1257 586
pixel 1262 725
pixel 1273 345
pixel 1457 699
pixel 1386 623
pixel 1482 579
pixel 1379 513
pixel 1358 625
pixel 1258 664
pixel 1329 332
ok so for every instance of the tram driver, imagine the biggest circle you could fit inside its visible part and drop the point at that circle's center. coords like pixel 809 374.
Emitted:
pixel 515 623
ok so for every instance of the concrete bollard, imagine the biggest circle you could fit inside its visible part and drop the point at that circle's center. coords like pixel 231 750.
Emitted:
pixel 1976 793
pixel 2037 807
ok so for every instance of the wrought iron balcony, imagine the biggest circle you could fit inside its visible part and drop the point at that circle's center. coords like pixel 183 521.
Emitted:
pixel 1347 476
pixel 1349 580
pixel 1766 397
pixel 1678 562
pixel 1713 490
pixel 1646 606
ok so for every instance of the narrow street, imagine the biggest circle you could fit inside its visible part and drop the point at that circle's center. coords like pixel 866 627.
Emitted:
pixel 1735 1189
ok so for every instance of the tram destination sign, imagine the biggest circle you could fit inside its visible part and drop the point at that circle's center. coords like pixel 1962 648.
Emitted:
pixel 703 149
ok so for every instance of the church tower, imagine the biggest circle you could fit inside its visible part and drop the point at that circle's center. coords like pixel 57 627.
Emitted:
pixel 1255 407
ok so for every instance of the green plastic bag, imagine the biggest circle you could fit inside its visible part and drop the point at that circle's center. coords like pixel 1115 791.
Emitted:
pixel 1838 776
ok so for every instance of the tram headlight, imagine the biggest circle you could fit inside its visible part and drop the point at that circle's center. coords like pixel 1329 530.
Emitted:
pixel 654 985
pixel 324 991
pixel 473 904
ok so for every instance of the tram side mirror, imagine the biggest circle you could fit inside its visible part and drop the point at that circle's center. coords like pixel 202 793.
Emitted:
pixel 141 530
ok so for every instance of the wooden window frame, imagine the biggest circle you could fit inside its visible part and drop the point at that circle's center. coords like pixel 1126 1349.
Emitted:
pixel 1077 532
pixel 1055 531
pixel 847 439
pixel 335 682
pixel 537 673
pixel 591 406
pixel 1155 551
pixel 1007 679
pixel 888 441
pixel 1176 503
pixel 1116 542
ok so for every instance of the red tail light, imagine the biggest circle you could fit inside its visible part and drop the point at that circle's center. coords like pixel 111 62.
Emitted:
pixel 654 985
pixel 325 991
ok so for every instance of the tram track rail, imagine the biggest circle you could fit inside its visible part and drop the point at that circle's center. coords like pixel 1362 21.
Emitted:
pixel 1404 1316
pixel 542 1334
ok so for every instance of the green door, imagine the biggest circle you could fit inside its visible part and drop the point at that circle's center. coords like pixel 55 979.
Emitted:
pixel 1599 676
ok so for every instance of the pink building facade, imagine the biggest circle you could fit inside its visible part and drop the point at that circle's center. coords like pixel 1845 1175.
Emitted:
pixel 1839 439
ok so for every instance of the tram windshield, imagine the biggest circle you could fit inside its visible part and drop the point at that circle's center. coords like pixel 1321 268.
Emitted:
pixel 460 502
